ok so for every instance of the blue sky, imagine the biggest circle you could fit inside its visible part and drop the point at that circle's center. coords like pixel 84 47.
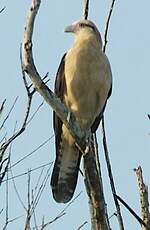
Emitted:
pixel 127 124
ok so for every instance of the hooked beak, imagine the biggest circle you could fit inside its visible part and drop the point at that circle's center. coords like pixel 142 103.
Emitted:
pixel 70 29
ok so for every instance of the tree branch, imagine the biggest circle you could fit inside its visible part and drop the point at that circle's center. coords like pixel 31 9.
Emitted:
pixel 143 189
pixel 120 219
pixel 94 188
pixel 85 9
pixel 107 25
pixel 93 179
pixel 29 67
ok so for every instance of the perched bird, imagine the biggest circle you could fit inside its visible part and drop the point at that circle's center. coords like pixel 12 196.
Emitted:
pixel 83 82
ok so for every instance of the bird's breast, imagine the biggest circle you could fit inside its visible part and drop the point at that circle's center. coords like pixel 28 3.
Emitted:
pixel 86 80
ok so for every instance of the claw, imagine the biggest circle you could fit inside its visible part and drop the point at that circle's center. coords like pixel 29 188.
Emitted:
pixel 68 116
pixel 88 143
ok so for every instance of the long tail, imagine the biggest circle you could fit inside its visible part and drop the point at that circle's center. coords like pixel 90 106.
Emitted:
pixel 65 172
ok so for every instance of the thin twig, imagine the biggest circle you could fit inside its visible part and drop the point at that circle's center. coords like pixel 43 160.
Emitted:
pixel 107 25
pixel 32 152
pixel 32 170
pixel 35 112
pixel 8 115
pixel 7 205
pixel 3 138
pixel 120 219
pixel 40 192
pixel 34 215
pixel 82 225
pixel 16 190
pixel 45 225
pixel 1 211
pixel 28 218
pixel 24 124
pixel 2 107
pixel 131 210
pixel 38 180
pixel 2 175
pixel 2 9
pixel 12 220
pixel 85 9
pixel 60 214
pixel 71 202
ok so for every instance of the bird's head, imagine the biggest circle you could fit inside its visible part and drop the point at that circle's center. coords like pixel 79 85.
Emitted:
pixel 83 26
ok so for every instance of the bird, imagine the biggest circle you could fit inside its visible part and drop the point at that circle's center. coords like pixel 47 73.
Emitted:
pixel 84 84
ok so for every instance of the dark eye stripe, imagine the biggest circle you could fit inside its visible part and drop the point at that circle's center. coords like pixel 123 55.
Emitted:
pixel 86 25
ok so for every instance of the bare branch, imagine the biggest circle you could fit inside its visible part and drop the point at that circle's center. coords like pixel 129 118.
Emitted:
pixel 29 67
pixel 94 188
pixel 143 189
pixel 28 218
pixel 120 220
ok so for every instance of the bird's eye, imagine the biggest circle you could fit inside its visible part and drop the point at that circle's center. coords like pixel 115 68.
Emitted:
pixel 82 25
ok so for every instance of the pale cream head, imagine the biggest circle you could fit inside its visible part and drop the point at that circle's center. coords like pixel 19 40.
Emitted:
pixel 82 24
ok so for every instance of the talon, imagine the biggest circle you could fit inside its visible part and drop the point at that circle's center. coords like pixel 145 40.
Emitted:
pixel 87 149
pixel 68 116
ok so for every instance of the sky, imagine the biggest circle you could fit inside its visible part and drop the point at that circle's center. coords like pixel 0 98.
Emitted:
pixel 127 124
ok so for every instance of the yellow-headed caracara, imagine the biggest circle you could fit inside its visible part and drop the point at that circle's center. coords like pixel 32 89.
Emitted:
pixel 83 83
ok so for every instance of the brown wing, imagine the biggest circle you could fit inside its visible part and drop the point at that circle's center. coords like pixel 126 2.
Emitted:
pixel 57 123
pixel 66 166
pixel 59 91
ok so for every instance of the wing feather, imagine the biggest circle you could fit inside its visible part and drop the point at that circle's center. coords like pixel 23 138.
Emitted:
pixel 57 123
pixel 59 91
